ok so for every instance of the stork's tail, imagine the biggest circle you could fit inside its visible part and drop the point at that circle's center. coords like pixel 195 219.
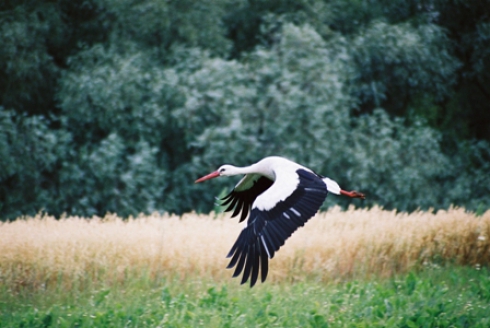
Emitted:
pixel 332 186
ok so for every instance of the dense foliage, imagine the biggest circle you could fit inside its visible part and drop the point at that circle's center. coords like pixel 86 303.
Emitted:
pixel 439 297
pixel 117 106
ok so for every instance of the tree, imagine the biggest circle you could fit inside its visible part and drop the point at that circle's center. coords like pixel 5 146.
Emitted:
pixel 114 107
pixel 29 153
pixel 118 105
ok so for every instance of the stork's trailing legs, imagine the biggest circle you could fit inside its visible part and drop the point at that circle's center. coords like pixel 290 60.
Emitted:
pixel 352 194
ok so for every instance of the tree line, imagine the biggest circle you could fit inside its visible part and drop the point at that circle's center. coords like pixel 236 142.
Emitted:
pixel 117 106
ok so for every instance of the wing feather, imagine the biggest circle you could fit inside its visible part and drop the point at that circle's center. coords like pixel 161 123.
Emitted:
pixel 232 205
pixel 241 263
pixel 234 260
pixel 256 263
pixel 238 208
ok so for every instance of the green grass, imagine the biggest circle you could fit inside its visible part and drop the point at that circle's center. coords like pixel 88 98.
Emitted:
pixel 438 297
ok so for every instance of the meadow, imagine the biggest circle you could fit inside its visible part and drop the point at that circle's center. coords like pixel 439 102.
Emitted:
pixel 354 268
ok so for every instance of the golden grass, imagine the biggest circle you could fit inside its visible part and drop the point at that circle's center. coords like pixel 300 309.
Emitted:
pixel 72 252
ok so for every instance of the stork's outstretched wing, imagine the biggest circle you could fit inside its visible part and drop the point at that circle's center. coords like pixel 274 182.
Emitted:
pixel 241 198
pixel 268 227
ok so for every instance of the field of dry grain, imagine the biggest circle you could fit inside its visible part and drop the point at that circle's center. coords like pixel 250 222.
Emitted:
pixel 72 252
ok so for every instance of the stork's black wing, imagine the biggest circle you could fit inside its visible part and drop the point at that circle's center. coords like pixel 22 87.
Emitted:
pixel 242 197
pixel 267 230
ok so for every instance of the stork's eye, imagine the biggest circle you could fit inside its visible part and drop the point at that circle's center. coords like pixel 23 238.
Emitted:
pixel 221 170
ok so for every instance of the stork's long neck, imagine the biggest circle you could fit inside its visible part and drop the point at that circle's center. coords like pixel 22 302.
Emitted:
pixel 237 170
pixel 257 168
pixel 262 168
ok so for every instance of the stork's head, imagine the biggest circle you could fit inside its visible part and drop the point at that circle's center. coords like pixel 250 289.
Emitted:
pixel 224 170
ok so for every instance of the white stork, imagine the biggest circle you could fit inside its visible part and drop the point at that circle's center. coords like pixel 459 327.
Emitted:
pixel 281 196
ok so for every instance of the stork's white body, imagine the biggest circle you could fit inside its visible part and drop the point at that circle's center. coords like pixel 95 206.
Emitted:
pixel 281 196
pixel 283 172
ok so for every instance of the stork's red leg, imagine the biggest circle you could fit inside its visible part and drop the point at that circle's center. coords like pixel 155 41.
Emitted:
pixel 352 194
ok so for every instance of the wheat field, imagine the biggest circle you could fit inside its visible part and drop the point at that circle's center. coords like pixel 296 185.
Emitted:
pixel 41 251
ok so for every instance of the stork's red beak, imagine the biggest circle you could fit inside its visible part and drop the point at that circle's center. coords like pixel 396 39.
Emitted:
pixel 211 175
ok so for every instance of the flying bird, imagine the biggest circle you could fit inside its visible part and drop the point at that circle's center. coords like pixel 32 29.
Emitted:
pixel 280 196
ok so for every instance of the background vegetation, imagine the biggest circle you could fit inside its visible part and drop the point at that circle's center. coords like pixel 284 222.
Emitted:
pixel 117 106
pixel 354 268
pixel 76 253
